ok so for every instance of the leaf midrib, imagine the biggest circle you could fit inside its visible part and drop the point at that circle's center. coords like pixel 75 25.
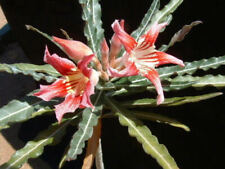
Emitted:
pixel 42 142
pixel 19 111
pixel 146 141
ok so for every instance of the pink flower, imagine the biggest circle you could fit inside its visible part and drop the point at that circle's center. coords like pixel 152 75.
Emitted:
pixel 75 49
pixel 76 85
pixel 141 57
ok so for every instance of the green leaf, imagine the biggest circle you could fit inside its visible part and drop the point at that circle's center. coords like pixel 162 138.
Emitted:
pixel 38 72
pixel 192 99
pixel 24 109
pixel 85 130
pixel 167 19
pixel 180 35
pixel 159 118
pixel 136 86
pixel 174 101
pixel 207 80
pixel 142 133
pixel 34 149
pixel 174 85
pixel 190 68
pixel 148 102
pixel 138 82
pixel 127 91
pixel 93 24
pixel 163 14
pixel 146 20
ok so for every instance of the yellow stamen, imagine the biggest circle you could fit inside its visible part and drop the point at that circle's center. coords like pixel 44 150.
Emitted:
pixel 76 82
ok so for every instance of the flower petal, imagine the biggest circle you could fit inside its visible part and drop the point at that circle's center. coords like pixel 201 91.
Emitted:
pixel 69 105
pixel 128 41
pixel 153 76
pixel 86 101
pixel 62 65
pixel 83 65
pixel 129 70
pixel 94 77
pixel 115 46
pixel 164 58
pixel 151 36
pixel 47 92
pixel 105 54
pixel 76 49
pixel 122 23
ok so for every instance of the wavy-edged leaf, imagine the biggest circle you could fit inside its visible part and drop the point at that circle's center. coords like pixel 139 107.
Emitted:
pixel 174 85
pixel 159 118
pixel 148 102
pixel 48 69
pixel 146 20
pixel 126 91
pixel 34 149
pixel 202 81
pixel 84 132
pixel 142 133
pixel 24 109
pixel 190 68
pixel 192 99
pixel 92 146
pixel 142 86
pixel 93 24
pixel 38 72
pixel 168 9
pixel 180 35
pixel 174 101
pixel 138 82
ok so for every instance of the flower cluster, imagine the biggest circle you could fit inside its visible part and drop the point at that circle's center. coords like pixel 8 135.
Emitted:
pixel 78 82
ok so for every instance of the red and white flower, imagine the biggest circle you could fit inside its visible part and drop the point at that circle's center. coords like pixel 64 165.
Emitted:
pixel 76 84
pixel 141 57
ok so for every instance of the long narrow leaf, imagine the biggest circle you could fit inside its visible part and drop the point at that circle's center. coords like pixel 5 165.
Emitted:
pixel 34 149
pixel 159 118
pixel 93 24
pixel 142 133
pixel 146 20
pixel 207 80
pixel 192 99
pixel 48 69
pixel 162 15
pixel 38 72
pixel 180 35
pixel 174 101
pixel 190 68
pixel 85 130
pixel 24 109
